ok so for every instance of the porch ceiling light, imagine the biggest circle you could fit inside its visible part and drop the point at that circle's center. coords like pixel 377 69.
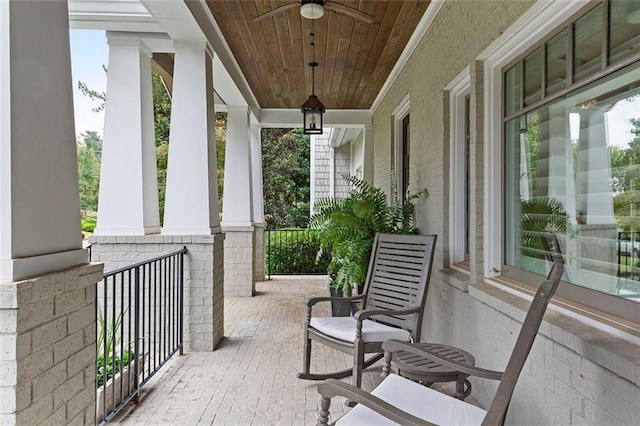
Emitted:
pixel 312 109
pixel 312 10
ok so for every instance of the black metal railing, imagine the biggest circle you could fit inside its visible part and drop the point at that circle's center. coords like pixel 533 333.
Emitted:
pixel 139 313
pixel 294 252
pixel 629 254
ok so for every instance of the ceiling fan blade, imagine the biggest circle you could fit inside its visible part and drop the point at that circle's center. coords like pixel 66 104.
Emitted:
pixel 347 11
pixel 275 11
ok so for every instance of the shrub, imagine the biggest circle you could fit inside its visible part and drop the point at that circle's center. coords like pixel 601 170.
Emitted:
pixel 88 225
pixel 294 252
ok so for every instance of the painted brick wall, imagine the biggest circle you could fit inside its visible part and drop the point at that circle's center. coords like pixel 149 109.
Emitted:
pixel 579 371
pixel 239 275
pixel 47 348
pixel 204 276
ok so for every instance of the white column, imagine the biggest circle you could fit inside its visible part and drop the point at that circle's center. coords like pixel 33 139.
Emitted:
pixel 39 202
pixel 367 145
pixel 256 173
pixel 191 200
pixel 128 199
pixel 47 313
pixel 258 203
pixel 593 177
pixel 237 204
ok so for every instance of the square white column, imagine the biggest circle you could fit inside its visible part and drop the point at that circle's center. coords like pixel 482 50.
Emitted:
pixel 191 199
pixel 128 199
pixel 39 197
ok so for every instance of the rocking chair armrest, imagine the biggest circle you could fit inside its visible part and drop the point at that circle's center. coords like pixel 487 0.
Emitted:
pixel 331 387
pixel 313 300
pixel 366 313
pixel 397 345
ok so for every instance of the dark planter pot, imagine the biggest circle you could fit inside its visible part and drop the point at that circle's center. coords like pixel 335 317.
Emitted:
pixel 341 309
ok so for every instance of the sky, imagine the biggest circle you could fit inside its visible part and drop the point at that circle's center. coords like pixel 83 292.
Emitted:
pixel 89 52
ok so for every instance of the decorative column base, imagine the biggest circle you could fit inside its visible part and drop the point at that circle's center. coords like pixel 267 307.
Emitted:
pixel 48 348
pixel 239 268
pixel 203 277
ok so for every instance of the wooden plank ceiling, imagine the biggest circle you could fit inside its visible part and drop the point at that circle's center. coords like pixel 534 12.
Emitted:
pixel 354 58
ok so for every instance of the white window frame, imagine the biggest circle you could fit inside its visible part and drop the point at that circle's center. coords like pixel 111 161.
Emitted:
pixel 458 90
pixel 542 18
pixel 398 114
pixel 538 22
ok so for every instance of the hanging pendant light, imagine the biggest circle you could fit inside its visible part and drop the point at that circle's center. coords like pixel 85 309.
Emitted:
pixel 312 109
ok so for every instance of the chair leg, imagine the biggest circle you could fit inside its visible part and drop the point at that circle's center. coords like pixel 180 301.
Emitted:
pixel 323 415
pixel 306 361
pixel 358 363
pixel 386 366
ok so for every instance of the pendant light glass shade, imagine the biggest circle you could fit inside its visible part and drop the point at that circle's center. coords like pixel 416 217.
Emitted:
pixel 312 111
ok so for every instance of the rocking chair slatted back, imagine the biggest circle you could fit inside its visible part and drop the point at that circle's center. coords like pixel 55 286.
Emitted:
pixel 398 270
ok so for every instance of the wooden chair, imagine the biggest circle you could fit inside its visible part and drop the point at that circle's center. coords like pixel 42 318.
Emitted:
pixel 399 400
pixel 393 301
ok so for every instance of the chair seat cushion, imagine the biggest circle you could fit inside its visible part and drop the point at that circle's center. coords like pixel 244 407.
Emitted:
pixel 344 328
pixel 418 400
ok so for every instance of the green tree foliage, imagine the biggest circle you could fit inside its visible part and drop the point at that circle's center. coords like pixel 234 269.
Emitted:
pixel 625 166
pixel 162 125
pixel 98 97
pixel 286 177
pixel 89 150
pixel 221 138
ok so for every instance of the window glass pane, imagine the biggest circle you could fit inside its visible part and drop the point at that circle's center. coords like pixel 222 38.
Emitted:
pixel 573 186
pixel 624 29
pixel 557 63
pixel 512 90
pixel 533 77
pixel 587 46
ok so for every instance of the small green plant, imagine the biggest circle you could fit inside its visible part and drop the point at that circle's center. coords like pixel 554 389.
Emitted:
pixel 106 342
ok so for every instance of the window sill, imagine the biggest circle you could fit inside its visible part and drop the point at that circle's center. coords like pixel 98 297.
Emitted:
pixel 455 277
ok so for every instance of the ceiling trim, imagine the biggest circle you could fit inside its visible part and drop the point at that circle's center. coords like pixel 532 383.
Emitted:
pixel 422 28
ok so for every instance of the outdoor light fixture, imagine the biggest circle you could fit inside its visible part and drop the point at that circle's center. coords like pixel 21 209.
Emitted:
pixel 312 109
pixel 312 9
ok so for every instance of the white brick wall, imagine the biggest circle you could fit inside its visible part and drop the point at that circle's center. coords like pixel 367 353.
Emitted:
pixel 47 348
pixel 203 286
pixel 239 261
pixel 578 372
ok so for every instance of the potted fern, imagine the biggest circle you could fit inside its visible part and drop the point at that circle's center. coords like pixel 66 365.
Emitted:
pixel 348 227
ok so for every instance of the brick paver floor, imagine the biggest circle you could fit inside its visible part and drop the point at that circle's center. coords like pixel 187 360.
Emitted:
pixel 250 379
